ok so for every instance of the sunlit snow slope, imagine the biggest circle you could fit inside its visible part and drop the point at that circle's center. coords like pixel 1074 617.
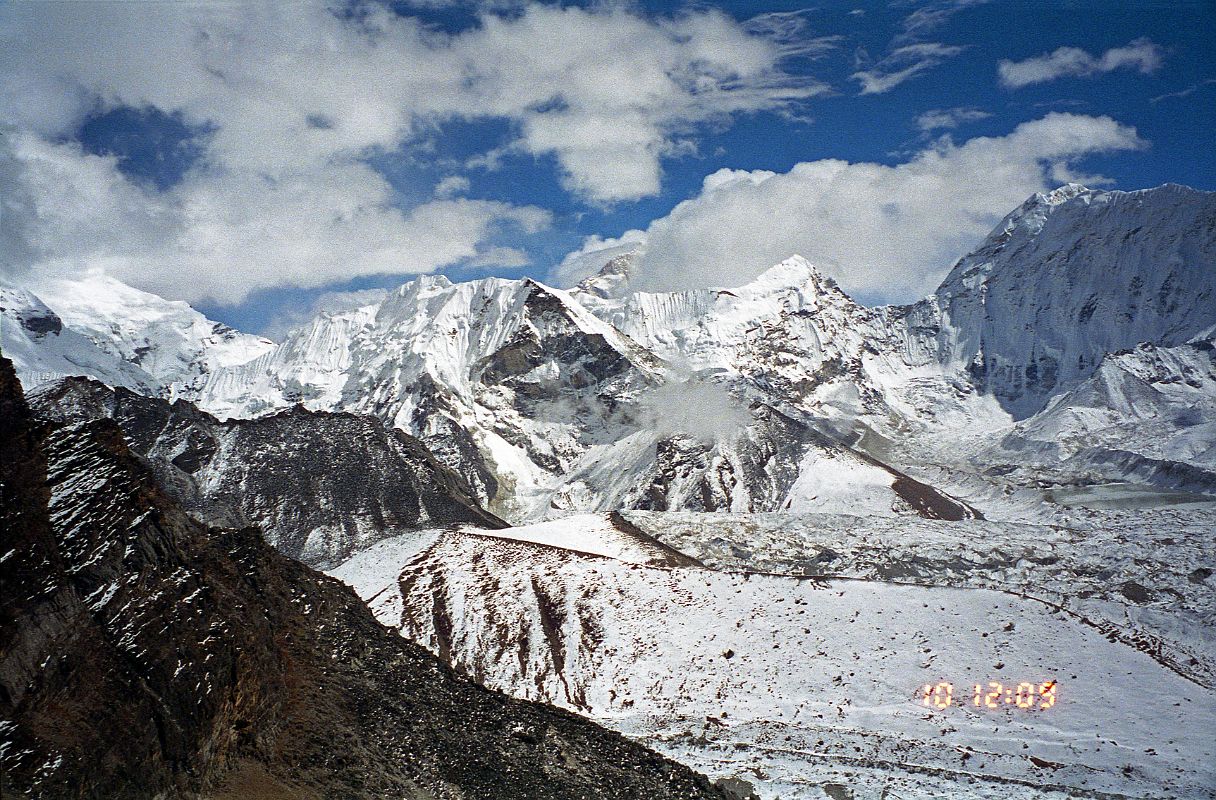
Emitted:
pixel 797 683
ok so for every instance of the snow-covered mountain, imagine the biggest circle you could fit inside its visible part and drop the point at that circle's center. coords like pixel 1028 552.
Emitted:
pixel 99 327
pixel 1075 274
pixel 1145 416
pixel 546 408
pixel 783 393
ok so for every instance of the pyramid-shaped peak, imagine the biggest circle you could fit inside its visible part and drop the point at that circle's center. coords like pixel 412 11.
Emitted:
pixel 794 272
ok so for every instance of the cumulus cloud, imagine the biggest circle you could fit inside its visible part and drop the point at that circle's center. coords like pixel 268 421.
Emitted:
pixel 295 99
pixel 885 233
pixel 902 64
pixel 1141 54
pixel 948 118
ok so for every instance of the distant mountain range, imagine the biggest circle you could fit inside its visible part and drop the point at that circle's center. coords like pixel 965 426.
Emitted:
pixel 1073 346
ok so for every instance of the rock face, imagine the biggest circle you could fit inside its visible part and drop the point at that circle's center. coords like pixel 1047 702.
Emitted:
pixel 144 656
pixel 320 485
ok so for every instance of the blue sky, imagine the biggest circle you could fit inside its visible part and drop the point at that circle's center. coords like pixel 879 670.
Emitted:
pixel 209 195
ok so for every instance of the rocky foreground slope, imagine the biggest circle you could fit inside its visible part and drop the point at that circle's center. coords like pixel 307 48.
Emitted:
pixel 143 655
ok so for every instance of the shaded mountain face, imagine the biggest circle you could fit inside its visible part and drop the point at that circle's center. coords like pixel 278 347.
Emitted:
pixel 320 485
pixel 144 655
pixel 1073 275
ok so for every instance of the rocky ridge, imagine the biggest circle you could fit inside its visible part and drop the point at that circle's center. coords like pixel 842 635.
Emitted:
pixel 319 485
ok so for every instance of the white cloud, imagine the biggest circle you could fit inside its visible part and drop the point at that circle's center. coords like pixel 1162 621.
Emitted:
pixel 1141 54
pixel 948 118
pixel 694 408
pixel 223 236
pixel 296 97
pixel 884 233
pixel 452 185
pixel 932 15
pixel 901 64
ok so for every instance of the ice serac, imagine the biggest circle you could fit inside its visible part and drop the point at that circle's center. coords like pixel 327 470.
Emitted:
pixel 320 485
pixel 146 656
pixel 1075 274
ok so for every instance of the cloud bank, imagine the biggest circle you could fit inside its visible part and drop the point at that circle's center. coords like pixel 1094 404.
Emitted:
pixel 885 233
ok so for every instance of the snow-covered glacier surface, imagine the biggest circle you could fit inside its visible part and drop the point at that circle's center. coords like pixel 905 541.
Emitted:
pixel 797 655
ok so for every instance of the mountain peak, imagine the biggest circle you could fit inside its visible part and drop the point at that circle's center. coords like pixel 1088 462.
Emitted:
pixel 795 272
pixel 1063 194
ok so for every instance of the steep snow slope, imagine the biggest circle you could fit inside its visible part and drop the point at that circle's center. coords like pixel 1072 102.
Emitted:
pixel 1073 275
pixel 117 334
pixel 795 683
pixel 321 486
